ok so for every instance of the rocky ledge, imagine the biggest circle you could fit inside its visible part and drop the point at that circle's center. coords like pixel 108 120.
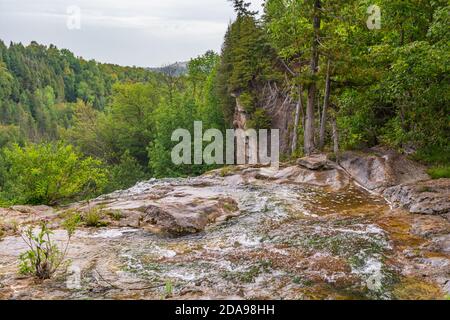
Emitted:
pixel 402 182
pixel 165 208
pixel 425 197
pixel 239 233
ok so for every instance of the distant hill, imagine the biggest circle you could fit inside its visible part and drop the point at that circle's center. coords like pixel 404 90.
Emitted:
pixel 177 68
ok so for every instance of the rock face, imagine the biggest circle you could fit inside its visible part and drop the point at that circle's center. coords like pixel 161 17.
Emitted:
pixel 330 176
pixel 425 197
pixel 402 182
pixel 278 109
pixel 380 169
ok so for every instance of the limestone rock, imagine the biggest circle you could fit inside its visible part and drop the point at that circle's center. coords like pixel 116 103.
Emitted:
pixel 314 162
pixel 381 169
pixel 425 197
pixel 182 218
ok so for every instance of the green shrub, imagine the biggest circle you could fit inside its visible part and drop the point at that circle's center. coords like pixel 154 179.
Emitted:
pixel 49 174
pixel 73 219
pixel 259 120
pixel 93 218
pixel 116 215
pixel 439 172
pixel 226 171
pixel 125 174
pixel 168 289
pixel 438 158
pixel 433 155
pixel 247 101
pixel 43 257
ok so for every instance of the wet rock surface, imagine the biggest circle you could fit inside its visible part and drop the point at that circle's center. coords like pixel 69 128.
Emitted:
pixel 402 182
pixel 246 233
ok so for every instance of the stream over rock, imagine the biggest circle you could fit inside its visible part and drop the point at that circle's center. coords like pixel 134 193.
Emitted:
pixel 242 233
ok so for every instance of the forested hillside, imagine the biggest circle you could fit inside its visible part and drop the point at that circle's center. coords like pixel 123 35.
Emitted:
pixel 374 86
pixel 71 128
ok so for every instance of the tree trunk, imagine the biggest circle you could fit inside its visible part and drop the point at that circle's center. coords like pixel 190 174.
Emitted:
pixel 335 138
pixel 298 111
pixel 312 87
pixel 326 103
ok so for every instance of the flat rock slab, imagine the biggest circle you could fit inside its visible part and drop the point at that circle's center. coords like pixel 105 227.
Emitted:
pixel 186 218
pixel 172 209
pixel 424 197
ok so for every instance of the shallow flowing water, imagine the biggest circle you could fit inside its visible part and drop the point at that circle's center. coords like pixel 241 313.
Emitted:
pixel 290 241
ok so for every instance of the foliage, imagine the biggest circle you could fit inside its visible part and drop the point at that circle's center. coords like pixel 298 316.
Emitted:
pixel 168 289
pixel 43 257
pixel 439 172
pixel 38 84
pixel 116 215
pixel 168 118
pixel 93 218
pixel 260 120
pixel 389 86
pixel 49 173
pixel 125 174
pixel 247 63
pixel 2 231
pixel 72 220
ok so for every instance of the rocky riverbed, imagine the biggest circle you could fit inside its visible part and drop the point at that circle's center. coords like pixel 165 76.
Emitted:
pixel 242 233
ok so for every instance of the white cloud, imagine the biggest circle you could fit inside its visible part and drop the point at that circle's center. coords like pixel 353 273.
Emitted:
pixel 132 32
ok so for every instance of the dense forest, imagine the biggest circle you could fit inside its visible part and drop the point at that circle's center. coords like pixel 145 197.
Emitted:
pixel 71 128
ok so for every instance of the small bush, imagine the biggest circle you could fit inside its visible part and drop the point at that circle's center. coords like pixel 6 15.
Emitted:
pixel 125 174
pixel 438 158
pixel 44 257
pixel 433 155
pixel 226 171
pixel 73 220
pixel 49 174
pixel 439 172
pixel 116 215
pixel 168 289
pixel 92 218
pixel 247 101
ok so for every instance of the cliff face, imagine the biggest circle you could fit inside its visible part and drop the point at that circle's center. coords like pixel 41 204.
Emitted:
pixel 278 106
pixel 240 117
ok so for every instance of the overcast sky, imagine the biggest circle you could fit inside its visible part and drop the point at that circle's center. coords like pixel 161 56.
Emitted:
pixel 126 32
